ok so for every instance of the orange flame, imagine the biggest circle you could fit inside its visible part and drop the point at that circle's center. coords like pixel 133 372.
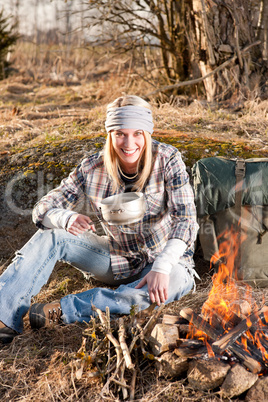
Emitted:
pixel 225 294
pixel 230 300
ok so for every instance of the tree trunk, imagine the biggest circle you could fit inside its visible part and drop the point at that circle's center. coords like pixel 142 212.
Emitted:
pixel 263 28
pixel 223 29
pixel 175 28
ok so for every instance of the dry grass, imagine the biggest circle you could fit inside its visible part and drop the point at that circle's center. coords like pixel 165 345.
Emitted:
pixel 53 97
pixel 50 113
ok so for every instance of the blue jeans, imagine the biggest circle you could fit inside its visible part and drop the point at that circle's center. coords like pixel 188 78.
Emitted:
pixel 33 264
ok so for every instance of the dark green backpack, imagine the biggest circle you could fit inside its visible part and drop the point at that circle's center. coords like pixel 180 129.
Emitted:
pixel 232 195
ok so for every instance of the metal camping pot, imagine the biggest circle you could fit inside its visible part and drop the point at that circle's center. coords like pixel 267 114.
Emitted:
pixel 123 209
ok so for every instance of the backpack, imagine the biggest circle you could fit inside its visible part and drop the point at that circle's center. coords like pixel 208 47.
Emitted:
pixel 231 197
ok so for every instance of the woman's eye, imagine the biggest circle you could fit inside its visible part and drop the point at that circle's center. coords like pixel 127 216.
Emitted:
pixel 139 133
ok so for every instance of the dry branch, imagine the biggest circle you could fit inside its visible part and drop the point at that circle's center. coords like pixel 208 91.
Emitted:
pixel 124 347
pixel 123 351
pixel 105 388
pixel 201 79
pixel 132 386
pixel 108 334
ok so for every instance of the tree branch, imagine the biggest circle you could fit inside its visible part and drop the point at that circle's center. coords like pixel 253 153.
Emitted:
pixel 201 79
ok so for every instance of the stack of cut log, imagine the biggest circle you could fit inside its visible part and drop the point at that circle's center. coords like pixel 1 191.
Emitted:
pixel 231 360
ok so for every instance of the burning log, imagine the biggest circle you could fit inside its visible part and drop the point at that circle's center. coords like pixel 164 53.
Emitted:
pixel 225 323
pixel 230 329
pixel 228 339
pixel 201 324
pixel 190 348
pixel 252 364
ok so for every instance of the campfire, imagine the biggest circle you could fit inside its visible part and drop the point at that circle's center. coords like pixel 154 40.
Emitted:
pixel 231 323
pixel 232 327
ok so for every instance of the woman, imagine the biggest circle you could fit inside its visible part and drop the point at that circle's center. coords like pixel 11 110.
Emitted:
pixel 150 260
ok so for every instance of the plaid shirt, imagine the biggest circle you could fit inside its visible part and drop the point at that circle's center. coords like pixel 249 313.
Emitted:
pixel 170 210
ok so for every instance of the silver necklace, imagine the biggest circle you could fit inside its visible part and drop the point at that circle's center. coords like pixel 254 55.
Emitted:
pixel 127 177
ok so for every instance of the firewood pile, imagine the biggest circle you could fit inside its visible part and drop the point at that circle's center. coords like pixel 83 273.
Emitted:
pixel 230 362
pixel 115 350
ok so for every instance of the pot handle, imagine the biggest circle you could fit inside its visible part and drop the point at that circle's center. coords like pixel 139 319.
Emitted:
pixel 117 211
pixel 106 230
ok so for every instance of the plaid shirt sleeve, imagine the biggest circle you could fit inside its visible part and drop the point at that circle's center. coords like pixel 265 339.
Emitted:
pixel 68 195
pixel 180 201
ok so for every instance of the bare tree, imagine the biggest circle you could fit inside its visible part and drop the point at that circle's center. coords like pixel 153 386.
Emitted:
pixel 220 43
pixel 139 24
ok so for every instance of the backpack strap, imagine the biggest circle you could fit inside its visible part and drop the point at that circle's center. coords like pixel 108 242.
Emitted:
pixel 240 170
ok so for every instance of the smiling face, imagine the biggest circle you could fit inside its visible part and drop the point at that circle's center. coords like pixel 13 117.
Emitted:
pixel 129 145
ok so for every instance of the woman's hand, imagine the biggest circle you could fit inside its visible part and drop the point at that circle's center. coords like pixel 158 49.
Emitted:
pixel 157 286
pixel 79 223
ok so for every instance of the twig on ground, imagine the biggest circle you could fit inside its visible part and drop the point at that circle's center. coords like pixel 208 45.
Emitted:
pixel 123 351
pixel 109 343
pixel 124 347
pixel 118 349
pixel 132 386
pixel 108 334
pixel 106 385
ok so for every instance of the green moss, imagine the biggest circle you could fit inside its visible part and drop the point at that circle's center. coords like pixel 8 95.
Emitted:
pixel 28 173
pixel 98 145
pixel 63 286
pixel 193 149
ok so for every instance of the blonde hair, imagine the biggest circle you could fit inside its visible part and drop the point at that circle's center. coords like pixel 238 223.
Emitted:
pixel 111 160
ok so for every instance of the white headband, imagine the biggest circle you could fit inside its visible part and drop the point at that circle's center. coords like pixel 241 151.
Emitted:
pixel 135 117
